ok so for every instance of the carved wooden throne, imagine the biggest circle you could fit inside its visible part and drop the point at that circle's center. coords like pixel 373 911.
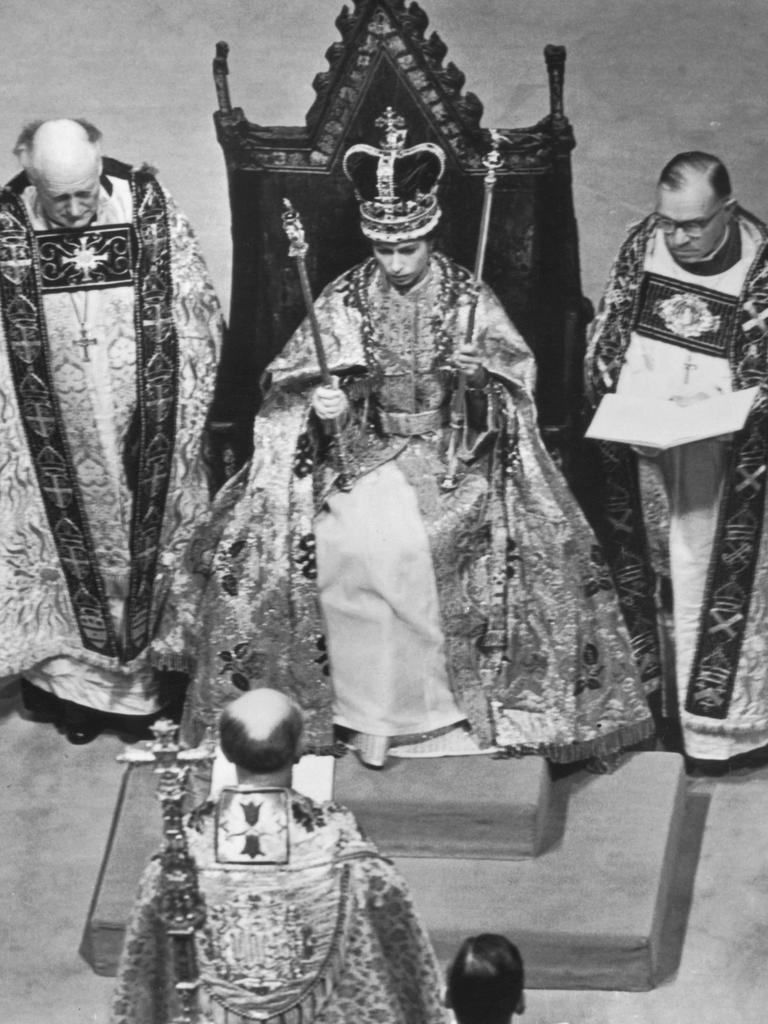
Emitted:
pixel 385 58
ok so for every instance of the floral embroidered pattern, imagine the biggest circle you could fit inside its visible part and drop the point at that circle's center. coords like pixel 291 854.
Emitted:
pixel 238 664
pixel 687 315
pixel 591 668
pixel 509 548
pixel 307 556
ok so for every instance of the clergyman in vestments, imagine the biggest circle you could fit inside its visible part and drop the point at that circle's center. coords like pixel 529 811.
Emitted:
pixel 436 605
pixel 684 317
pixel 109 339
pixel 302 918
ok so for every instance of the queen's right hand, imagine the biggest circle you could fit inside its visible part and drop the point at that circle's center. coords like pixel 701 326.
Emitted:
pixel 329 402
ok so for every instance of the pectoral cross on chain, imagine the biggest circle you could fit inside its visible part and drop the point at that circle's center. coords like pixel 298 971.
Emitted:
pixel 85 342
pixel 688 366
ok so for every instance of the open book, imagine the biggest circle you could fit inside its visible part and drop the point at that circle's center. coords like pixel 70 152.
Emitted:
pixel 661 423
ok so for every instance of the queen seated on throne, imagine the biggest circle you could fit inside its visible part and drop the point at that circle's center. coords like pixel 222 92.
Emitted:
pixel 402 556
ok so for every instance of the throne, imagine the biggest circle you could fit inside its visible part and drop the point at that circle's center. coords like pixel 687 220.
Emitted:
pixel 482 843
pixel 385 58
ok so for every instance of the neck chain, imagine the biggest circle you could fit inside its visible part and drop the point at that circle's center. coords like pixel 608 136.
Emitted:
pixel 85 341
pixel 452 282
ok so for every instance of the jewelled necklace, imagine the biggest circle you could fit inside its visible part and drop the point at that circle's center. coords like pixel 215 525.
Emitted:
pixel 453 282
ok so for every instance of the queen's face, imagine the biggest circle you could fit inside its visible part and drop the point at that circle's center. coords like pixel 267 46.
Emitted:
pixel 404 263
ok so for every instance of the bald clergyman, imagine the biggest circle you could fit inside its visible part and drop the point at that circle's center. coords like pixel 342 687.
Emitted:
pixel 304 919
pixel 109 340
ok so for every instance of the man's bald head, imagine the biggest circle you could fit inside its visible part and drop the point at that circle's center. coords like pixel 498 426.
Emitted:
pixel 260 732
pixel 62 159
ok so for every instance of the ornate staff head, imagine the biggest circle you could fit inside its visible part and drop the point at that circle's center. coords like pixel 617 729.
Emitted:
pixel 493 159
pixel 396 186
pixel 294 229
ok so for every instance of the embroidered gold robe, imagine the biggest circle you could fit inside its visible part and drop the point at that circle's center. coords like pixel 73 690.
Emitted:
pixel 324 932
pixel 508 619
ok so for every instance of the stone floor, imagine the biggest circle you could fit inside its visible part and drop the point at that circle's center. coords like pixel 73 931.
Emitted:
pixel 56 804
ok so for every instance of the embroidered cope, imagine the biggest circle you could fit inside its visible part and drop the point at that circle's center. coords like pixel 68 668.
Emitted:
pixel 697 512
pixel 329 937
pixel 109 341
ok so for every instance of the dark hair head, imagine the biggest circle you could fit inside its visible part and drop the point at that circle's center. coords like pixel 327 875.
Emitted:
pixel 276 750
pixel 679 168
pixel 486 980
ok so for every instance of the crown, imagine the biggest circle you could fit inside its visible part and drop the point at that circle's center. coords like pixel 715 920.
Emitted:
pixel 396 187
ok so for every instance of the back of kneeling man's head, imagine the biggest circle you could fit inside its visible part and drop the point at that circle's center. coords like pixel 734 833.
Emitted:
pixel 261 732
pixel 486 981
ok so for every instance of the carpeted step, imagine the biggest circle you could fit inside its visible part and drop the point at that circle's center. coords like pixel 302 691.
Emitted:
pixel 589 911
pixel 449 807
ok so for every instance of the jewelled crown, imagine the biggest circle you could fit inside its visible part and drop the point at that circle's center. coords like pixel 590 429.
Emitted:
pixel 396 187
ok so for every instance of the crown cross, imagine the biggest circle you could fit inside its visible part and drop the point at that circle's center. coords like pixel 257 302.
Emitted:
pixel 393 126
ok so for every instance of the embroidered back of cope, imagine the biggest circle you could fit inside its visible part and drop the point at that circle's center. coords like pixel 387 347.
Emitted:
pixel 276 925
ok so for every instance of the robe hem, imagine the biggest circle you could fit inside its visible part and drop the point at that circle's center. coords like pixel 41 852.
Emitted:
pixel 582 750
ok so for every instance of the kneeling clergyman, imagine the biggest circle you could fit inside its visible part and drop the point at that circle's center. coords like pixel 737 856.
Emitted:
pixel 298 916
pixel 419 603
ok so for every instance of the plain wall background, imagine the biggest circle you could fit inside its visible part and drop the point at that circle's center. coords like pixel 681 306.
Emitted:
pixel 644 80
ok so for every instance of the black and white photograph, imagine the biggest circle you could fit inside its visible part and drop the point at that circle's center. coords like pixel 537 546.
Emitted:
pixel 383 490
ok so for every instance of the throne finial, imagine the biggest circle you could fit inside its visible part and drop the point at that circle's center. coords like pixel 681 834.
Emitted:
pixel 220 73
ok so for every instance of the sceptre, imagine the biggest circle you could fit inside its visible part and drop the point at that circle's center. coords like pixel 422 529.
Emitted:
pixel 492 161
pixel 298 250
pixel 182 908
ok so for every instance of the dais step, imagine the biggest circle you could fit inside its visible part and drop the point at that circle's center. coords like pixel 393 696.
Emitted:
pixel 473 807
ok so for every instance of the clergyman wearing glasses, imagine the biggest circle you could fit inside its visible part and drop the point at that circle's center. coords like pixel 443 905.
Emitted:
pixel 684 317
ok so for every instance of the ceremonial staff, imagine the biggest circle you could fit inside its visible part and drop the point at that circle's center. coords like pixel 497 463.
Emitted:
pixel 492 161
pixel 182 907
pixel 298 250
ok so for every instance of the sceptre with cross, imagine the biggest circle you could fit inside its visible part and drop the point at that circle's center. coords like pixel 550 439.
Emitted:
pixel 182 908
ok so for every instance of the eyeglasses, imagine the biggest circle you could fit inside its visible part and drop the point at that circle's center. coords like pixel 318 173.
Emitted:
pixel 691 228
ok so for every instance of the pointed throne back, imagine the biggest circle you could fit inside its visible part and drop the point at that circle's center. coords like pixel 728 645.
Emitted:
pixel 385 58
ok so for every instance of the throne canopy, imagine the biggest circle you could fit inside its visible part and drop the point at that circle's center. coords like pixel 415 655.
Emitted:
pixel 385 58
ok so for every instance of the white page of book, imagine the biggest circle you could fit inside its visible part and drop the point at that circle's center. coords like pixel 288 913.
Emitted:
pixel 663 423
